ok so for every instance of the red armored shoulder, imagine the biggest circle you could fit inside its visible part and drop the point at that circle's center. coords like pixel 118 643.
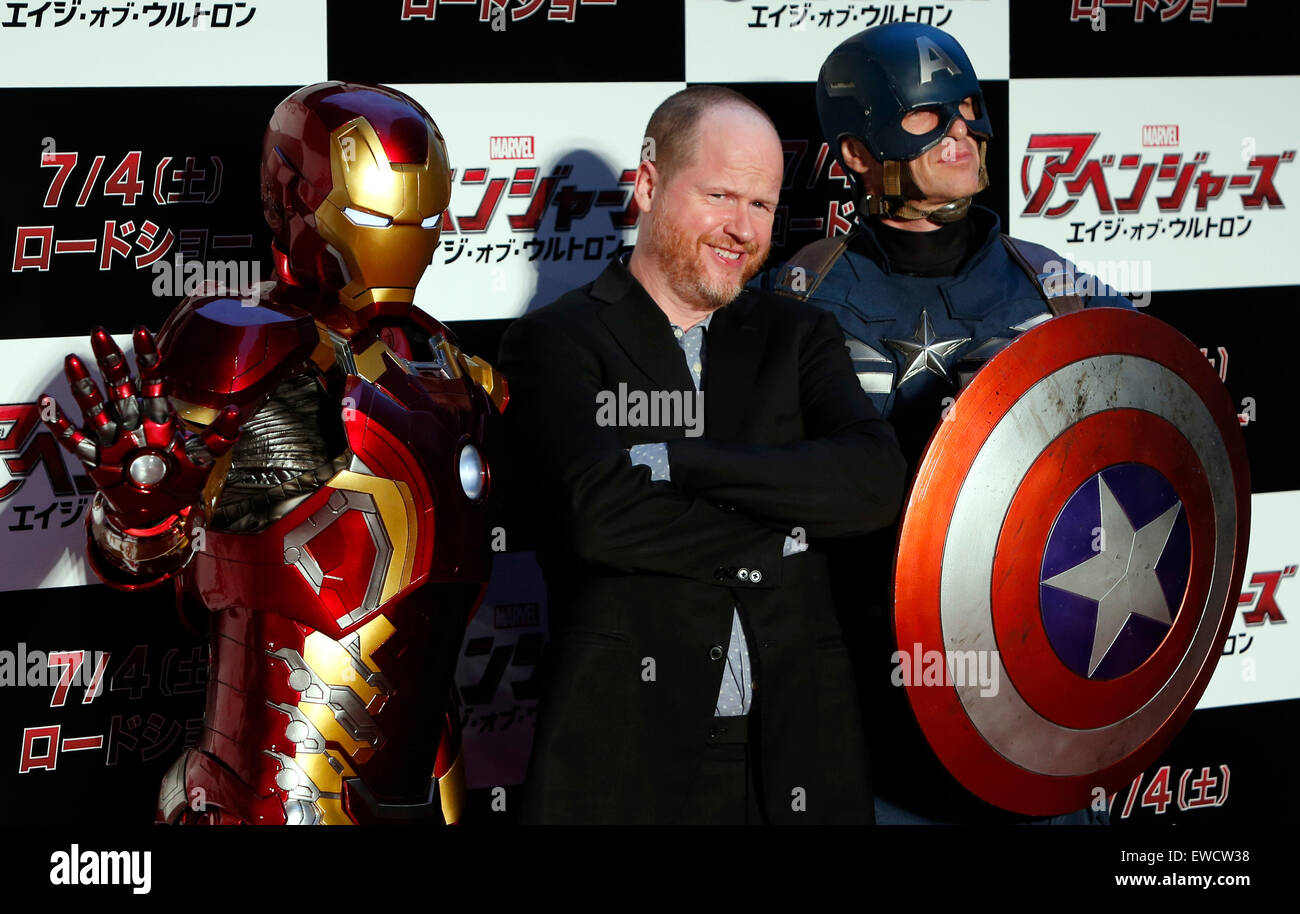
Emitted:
pixel 220 349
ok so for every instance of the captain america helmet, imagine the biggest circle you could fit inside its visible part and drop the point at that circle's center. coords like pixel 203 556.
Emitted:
pixel 873 80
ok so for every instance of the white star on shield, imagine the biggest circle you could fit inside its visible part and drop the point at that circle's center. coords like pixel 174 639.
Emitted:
pixel 924 351
pixel 1122 576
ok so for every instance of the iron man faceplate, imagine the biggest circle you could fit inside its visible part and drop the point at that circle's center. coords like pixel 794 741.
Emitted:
pixel 340 546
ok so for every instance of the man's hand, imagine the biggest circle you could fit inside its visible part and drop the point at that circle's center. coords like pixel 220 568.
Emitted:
pixel 143 461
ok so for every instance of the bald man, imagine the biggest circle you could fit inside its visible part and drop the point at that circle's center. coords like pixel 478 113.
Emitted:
pixel 692 446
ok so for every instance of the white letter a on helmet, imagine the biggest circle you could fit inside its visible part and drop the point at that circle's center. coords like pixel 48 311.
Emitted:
pixel 933 58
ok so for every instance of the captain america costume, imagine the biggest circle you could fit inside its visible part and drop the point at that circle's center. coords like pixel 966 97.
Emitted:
pixel 927 289
pixel 914 340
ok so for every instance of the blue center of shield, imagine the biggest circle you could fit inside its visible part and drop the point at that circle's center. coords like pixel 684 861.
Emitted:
pixel 1114 571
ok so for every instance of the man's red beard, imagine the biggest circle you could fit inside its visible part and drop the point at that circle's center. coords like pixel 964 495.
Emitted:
pixel 679 256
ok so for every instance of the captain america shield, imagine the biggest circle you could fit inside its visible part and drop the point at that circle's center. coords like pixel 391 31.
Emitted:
pixel 1069 559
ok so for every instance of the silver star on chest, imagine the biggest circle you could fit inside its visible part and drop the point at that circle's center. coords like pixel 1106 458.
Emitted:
pixel 1122 576
pixel 924 351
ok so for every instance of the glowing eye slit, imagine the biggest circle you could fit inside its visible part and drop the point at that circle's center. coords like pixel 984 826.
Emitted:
pixel 369 220
pixel 431 221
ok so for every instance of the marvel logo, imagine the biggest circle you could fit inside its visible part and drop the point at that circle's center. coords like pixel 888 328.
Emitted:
pixel 516 615
pixel 510 147
pixel 1160 135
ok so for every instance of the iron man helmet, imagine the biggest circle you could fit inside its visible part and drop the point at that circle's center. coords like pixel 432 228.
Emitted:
pixel 355 180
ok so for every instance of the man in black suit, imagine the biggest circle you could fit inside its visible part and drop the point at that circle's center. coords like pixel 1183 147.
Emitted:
pixel 698 671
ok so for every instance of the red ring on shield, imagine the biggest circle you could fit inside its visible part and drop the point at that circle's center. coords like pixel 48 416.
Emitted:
pixel 919 565
pixel 1048 685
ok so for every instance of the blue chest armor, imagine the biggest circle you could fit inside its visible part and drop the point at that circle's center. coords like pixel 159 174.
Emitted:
pixel 915 340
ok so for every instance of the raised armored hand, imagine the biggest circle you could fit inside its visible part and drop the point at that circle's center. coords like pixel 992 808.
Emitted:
pixel 148 468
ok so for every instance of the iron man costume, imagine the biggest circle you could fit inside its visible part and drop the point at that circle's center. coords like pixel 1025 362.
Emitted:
pixel 308 464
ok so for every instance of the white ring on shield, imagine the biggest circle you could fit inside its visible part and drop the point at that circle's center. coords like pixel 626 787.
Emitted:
pixel 1093 385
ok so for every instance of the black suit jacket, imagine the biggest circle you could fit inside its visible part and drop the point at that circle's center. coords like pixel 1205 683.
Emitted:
pixel 642 577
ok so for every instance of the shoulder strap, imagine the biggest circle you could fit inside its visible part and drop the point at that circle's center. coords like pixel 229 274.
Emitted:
pixel 804 272
pixel 1037 270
